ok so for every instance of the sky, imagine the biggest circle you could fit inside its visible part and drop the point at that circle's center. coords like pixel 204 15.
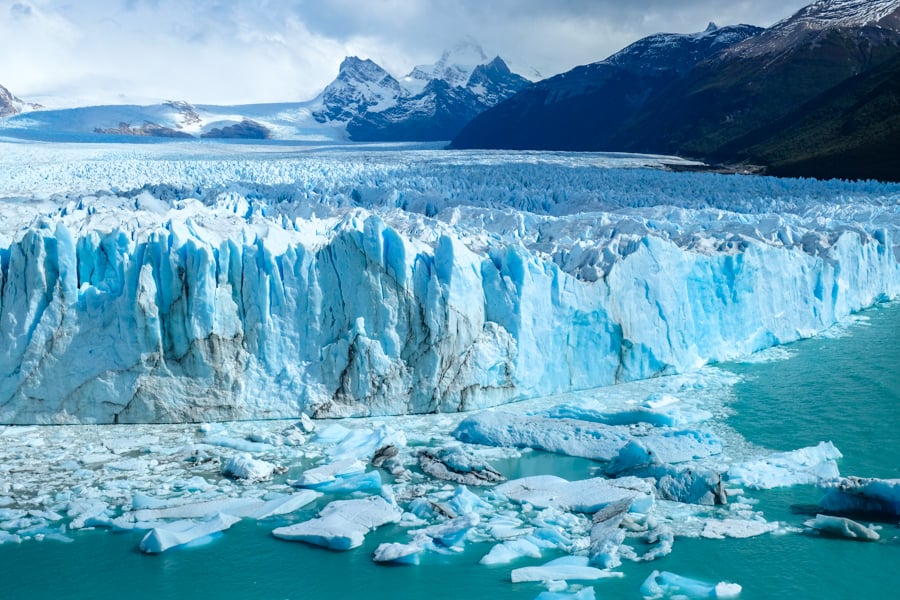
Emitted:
pixel 78 52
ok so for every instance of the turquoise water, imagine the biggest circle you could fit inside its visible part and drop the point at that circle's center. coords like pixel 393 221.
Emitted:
pixel 844 389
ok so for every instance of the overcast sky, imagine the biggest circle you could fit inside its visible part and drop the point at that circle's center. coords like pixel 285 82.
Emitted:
pixel 242 51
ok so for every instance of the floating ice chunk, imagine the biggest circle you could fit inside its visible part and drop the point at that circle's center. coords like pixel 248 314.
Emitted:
pixel 452 533
pixel 245 467
pixel 9 538
pixel 406 554
pixel 343 524
pixel 359 482
pixel 586 495
pixel 843 527
pixel 284 505
pixel 330 471
pixel 463 501
pixel 666 448
pixel 237 444
pixel 863 495
pixel 663 584
pixel 658 401
pixel 562 436
pixel 809 465
pixel 664 415
pixel 568 568
pixel 736 528
pixel 362 443
pixel 171 535
pixel 197 510
pixel 607 536
pixel 582 594
pixel 510 550
pixel 455 464
pixel 332 434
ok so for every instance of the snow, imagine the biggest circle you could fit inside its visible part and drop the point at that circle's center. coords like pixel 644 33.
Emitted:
pixel 343 524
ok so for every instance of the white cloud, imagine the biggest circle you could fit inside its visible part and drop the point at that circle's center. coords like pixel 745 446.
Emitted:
pixel 217 51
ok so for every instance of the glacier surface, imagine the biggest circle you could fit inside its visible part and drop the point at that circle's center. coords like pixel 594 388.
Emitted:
pixel 185 282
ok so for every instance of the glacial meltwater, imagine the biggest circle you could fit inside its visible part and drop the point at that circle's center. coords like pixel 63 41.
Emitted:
pixel 843 387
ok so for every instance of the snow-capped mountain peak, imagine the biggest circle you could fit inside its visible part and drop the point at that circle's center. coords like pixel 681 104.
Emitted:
pixel 802 27
pixel 361 85
pixel 455 65
pixel 10 105
pixel 842 13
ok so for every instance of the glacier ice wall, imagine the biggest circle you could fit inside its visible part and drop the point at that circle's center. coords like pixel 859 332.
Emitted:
pixel 334 296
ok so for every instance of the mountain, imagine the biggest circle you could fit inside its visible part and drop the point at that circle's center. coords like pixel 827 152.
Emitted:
pixel 363 103
pixel 584 108
pixel 10 105
pixel 442 108
pixel 812 95
pixel 361 85
pixel 851 129
pixel 762 79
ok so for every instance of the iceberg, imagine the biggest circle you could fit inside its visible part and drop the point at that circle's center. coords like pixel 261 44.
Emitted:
pixel 562 436
pixel 586 495
pixel 343 524
pixel 152 287
pixel 811 465
pixel 880 497
pixel 183 533
pixel 566 568
pixel 582 594
pixel 247 468
pixel 663 584
pixel 843 528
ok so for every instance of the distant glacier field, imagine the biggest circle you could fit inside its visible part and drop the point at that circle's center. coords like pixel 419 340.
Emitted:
pixel 149 283
pixel 184 327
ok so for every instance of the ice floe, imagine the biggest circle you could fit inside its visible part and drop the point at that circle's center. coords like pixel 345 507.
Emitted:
pixel 842 527
pixel 663 584
pixel 810 465
pixel 342 524
pixel 568 568
pixel 183 533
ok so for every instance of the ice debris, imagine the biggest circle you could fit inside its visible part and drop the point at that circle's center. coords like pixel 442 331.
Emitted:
pixel 586 495
pixel 343 524
pixel 455 464
pixel 247 468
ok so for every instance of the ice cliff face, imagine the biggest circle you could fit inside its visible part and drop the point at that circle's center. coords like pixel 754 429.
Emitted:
pixel 390 283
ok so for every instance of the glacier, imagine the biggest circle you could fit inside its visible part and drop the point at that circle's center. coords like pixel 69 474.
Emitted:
pixel 190 283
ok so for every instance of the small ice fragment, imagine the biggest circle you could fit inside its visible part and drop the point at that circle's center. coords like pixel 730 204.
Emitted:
pixel 405 554
pixel 330 471
pixel 663 584
pixel 582 594
pixel 171 535
pixel 360 482
pixel 568 568
pixel 464 501
pixel 511 550
pixel 843 528
pixel 736 528
pixel 244 466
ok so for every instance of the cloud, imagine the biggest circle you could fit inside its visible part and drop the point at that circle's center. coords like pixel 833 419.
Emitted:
pixel 218 51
